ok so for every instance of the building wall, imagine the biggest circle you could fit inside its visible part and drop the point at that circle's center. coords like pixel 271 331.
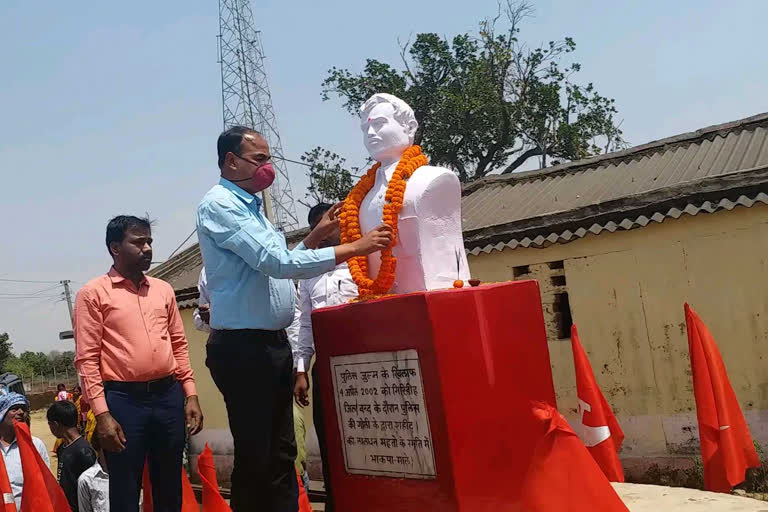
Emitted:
pixel 211 401
pixel 626 292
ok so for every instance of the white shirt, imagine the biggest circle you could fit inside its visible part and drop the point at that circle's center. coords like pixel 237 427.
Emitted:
pixel 13 465
pixel 329 289
pixel 93 490
pixel 205 299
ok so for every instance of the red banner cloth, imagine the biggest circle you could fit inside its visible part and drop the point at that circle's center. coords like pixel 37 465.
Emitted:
pixel 9 503
pixel 188 498
pixel 41 492
pixel 304 504
pixel 146 487
pixel 212 499
pixel 600 430
pixel 563 476
pixel 727 449
pixel 483 356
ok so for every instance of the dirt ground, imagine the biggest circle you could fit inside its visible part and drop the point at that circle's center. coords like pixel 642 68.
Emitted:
pixel 654 498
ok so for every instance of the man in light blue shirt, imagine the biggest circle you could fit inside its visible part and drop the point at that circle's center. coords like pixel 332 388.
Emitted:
pixel 249 271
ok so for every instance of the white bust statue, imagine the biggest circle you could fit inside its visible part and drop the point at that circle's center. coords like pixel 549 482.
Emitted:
pixel 430 248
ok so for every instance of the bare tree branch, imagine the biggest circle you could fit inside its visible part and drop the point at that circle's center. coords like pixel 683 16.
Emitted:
pixel 403 51
pixel 535 151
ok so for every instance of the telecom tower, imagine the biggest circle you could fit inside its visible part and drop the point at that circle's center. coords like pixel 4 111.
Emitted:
pixel 247 102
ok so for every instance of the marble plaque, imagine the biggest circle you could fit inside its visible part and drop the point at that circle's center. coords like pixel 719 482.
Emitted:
pixel 382 415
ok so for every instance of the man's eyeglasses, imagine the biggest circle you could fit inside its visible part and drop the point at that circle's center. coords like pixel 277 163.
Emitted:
pixel 263 159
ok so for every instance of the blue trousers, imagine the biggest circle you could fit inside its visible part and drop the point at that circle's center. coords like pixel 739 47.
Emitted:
pixel 154 426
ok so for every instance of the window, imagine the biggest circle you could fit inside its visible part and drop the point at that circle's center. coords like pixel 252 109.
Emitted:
pixel 520 272
pixel 562 315
pixel 554 296
pixel 557 280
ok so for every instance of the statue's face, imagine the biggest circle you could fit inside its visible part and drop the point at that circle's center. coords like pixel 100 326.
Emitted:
pixel 384 137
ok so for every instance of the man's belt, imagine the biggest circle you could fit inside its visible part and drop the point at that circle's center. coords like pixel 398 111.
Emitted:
pixel 152 386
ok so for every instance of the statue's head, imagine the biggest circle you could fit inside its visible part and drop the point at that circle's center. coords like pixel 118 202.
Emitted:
pixel 389 127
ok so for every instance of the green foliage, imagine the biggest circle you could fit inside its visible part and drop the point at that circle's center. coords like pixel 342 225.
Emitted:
pixel 667 475
pixel 30 364
pixel 6 349
pixel 329 177
pixel 19 367
pixel 38 361
pixel 756 479
pixel 62 361
pixel 487 102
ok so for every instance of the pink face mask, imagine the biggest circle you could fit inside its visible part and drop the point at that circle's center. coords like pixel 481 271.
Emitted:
pixel 262 178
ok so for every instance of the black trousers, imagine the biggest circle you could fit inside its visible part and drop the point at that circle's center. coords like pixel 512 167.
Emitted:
pixel 318 420
pixel 153 424
pixel 253 369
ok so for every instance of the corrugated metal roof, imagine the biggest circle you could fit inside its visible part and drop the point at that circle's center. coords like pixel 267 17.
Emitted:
pixel 625 224
pixel 182 270
pixel 713 151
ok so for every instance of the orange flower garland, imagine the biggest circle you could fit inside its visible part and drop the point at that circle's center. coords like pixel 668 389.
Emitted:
pixel 412 159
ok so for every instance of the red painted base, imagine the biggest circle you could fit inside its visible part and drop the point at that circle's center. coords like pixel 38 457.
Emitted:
pixel 483 357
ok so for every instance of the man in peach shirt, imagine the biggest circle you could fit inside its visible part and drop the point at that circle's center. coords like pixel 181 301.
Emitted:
pixel 133 360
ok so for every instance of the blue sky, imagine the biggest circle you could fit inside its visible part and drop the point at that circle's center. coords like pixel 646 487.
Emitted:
pixel 115 107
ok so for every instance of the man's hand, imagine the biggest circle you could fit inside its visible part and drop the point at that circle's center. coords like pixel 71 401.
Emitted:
pixel 301 389
pixel 110 433
pixel 376 239
pixel 205 313
pixel 325 228
pixel 194 415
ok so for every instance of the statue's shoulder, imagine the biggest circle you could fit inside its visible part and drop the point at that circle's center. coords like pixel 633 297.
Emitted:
pixel 429 175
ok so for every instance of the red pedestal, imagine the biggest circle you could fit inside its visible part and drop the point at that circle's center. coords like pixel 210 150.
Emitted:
pixel 483 358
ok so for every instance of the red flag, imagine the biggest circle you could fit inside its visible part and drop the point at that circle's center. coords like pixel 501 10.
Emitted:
pixel 727 449
pixel 304 504
pixel 41 492
pixel 9 504
pixel 600 431
pixel 212 500
pixel 563 476
pixel 147 488
pixel 188 498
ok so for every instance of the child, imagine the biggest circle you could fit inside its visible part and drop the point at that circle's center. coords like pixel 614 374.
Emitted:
pixel 75 454
pixel 93 484
pixel 62 393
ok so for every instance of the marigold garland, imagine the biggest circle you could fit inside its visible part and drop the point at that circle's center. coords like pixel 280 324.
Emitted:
pixel 412 159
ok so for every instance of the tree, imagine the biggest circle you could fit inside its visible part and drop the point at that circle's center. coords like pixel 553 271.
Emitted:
pixel 37 361
pixel 329 178
pixel 18 367
pixel 62 362
pixel 30 364
pixel 487 102
pixel 6 350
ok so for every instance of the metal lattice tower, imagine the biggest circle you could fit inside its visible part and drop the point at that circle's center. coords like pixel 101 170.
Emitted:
pixel 246 100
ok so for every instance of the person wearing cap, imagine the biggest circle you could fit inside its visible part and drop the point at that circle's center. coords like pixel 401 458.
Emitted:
pixel 15 407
